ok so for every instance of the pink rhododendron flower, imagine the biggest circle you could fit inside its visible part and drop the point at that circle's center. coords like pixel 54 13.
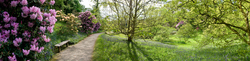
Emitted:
pixel 28 60
pixel 34 41
pixel 12 58
pixel 47 40
pixel 15 25
pixel 24 2
pixel 33 47
pixel 52 20
pixel 42 1
pixel 25 10
pixel 50 28
pixel 5 14
pixel 14 3
pixel 38 10
pixel 24 15
pixel 19 40
pixel 6 31
pixel 43 36
pixel 46 14
pixel 41 48
pixel 15 43
pixel 40 18
pixel 34 9
pixel 13 32
pixel 7 25
pixel 33 16
pixel 13 19
pixel 30 24
pixel 52 2
pixel 53 12
pixel 42 28
pixel 26 52
pixel 6 19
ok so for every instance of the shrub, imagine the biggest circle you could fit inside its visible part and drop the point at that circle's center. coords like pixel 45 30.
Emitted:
pixel 72 23
pixel 23 27
pixel 87 24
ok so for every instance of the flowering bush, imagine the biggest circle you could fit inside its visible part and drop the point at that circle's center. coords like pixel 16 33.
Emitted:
pixel 23 26
pixel 87 24
pixel 72 22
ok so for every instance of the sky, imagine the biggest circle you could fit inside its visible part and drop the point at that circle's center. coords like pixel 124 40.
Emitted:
pixel 104 11
pixel 87 3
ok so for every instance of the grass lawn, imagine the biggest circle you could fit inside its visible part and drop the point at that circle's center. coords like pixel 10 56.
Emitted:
pixel 115 48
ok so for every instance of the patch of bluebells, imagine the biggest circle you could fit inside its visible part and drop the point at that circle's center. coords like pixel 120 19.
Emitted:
pixel 87 24
pixel 23 27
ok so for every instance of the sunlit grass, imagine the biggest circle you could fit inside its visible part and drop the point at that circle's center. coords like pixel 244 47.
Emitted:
pixel 110 48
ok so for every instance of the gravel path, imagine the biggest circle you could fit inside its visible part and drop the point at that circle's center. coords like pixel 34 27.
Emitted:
pixel 81 51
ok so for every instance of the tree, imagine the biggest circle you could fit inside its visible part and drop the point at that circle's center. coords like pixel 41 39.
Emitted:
pixel 131 9
pixel 219 18
pixel 69 6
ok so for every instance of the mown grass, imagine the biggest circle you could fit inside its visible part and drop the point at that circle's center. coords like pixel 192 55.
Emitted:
pixel 115 48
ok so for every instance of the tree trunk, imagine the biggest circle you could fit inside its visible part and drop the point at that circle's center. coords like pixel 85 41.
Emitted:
pixel 130 39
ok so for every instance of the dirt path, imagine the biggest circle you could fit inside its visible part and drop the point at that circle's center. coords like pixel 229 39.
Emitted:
pixel 81 51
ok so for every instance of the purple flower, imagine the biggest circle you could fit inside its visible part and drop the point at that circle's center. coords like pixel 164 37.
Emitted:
pixel 24 15
pixel 34 41
pixel 53 12
pixel 25 33
pixel 14 3
pixel 7 25
pixel 15 25
pixel 41 48
pixel 33 16
pixel 43 36
pixel 13 32
pixel 52 20
pixel 6 31
pixel 19 40
pixel 50 28
pixel 13 19
pixel 12 58
pixel 47 40
pixel 40 18
pixel 42 1
pixel 30 24
pixel 24 2
pixel 6 19
pixel 33 9
pixel 46 14
pixel 52 2
pixel 33 47
pixel 5 14
pixel 15 43
pixel 25 10
pixel 26 52
pixel 42 28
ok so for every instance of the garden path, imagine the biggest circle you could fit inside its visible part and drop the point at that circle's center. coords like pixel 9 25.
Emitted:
pixel 81 51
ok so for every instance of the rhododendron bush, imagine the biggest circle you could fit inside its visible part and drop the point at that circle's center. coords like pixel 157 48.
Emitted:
pixel 72 23
pixel 87 24
pixel 23 26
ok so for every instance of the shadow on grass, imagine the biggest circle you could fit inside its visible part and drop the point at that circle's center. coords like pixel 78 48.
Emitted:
pixel 134 49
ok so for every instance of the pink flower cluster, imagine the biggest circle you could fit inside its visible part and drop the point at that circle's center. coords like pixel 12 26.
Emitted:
pixel 12 58
pixel 15 30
